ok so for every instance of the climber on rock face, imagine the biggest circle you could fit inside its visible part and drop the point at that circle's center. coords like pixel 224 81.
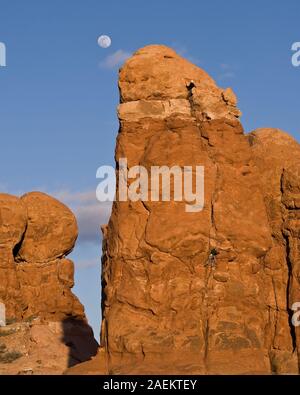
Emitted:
pixel 211 261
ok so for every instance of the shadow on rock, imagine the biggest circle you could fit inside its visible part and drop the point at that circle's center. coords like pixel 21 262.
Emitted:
pixel 79 337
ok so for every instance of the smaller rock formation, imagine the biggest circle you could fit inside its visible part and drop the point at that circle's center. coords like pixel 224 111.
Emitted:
pixel 51 230
pixel 37 232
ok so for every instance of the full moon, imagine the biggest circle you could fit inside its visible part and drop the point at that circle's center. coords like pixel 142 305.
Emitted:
pixel 104 41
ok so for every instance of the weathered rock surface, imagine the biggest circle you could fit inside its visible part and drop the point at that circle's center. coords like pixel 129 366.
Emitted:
pixel 48 347
pixel 51 229
pixel 164 311
pixel 278 158
pixel 36 278
pixel 13 220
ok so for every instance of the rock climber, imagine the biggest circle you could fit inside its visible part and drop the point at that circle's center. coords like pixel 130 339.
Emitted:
pixel 212 261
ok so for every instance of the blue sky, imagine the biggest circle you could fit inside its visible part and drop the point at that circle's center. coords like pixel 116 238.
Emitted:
pixel 58 93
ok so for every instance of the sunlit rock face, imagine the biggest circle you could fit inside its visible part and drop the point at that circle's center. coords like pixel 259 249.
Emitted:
pixel 36 233
pixel 164 309
pixel 46 324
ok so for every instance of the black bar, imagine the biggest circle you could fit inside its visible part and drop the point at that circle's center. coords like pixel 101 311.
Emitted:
pixel 134 384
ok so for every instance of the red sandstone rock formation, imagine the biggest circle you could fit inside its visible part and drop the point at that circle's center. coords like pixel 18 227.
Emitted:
pixel 277 156
pixel 164 311
pixel 36 234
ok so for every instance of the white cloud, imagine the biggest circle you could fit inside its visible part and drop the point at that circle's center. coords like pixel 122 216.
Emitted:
pixel 3 188
pixel 90 213
pixel 227 72
pixel 225 66
pixel 75 197
pixel 87 263
pixel 115 59
pixel 227 75
pixel 90 217
pixel 184 52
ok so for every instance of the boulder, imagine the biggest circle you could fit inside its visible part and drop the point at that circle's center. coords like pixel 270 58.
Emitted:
pixel 51 229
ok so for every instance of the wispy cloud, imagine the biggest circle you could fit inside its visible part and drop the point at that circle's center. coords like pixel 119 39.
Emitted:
pixel 90 218
pixel 115 59
pixel 90 213
pixel 75 197
pixel 87 263
pixel 226 72
pixel 3 187
pixel 185 53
